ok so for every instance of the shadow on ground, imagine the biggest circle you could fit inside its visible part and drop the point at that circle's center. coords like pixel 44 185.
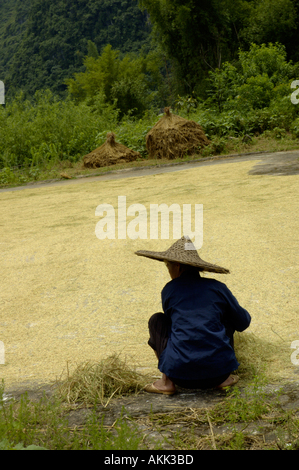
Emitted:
pixel 276 164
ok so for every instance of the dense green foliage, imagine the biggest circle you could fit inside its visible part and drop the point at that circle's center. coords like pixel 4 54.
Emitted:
pixel 133 83
pixel 44 42
pixel 263 76
pixel 50 130
pixel 55 39
pixel 196 35
pixel 200 36
pixel 13 16
pixel 75 70
pixel 250 99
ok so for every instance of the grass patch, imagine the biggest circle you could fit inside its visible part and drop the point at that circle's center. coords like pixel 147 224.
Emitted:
pixel 245 406
pixel 43 425
pixel 246 419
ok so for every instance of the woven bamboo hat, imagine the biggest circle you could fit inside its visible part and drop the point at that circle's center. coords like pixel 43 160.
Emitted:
pixel 183 251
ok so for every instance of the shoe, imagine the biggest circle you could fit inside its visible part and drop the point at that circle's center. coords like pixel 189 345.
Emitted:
pixel 150 388
pixel 235 380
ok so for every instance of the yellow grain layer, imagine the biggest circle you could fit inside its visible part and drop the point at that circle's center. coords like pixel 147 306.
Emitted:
pixel 68 296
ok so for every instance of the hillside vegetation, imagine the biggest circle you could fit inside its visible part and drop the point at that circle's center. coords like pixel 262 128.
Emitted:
pixel 13 16
pixel 79 69
pixel 43 42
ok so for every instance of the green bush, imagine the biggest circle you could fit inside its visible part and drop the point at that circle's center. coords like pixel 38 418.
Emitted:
pixel 48 129
pixel 6 176
pixel 130 82
pixel 261 76
pixel 257 91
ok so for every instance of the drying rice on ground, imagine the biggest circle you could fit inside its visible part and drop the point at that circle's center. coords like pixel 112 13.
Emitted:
pixel 110 153
pixel 68 298
pixel 174 137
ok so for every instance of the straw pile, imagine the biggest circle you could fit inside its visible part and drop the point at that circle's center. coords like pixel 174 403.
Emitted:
pixel 253 353
pixel 109 153
pixel 93 382
pixel 174 137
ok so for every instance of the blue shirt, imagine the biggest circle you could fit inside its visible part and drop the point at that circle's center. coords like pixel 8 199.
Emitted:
pixel 198 347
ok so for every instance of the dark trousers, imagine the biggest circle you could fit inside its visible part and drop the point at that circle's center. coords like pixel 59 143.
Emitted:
pixel 159 329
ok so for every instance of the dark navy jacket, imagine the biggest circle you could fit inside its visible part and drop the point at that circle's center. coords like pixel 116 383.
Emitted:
pixel 198 347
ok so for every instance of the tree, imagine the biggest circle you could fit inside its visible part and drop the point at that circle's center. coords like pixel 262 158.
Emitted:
pixel 264 74
pixel 125 82
pixel 197 36
pixel 57 34
pixel 13 15
pixel 100 74
pixel 269 21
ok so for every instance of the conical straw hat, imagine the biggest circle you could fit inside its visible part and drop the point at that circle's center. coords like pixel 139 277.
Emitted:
pixel 180 253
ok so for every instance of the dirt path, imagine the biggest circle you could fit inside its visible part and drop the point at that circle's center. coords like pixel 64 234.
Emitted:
pixel 281 163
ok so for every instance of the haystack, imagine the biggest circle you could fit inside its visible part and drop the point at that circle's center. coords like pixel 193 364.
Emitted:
pixel 109 153
pixel 174 137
